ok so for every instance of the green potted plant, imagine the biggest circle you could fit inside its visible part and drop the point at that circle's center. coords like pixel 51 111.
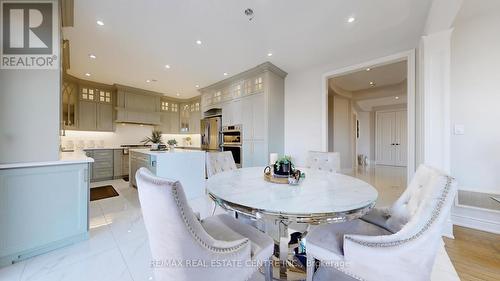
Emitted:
pixel 171 143
pixel 284 166
pixel 154 139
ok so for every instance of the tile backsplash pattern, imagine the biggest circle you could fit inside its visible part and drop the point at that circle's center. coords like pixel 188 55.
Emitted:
pixel 124 134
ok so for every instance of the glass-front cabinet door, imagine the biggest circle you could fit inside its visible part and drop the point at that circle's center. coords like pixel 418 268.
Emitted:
pixel 69 102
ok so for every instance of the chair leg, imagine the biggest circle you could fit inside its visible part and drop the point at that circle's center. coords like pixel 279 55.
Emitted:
pixel 311 262
pixel 268 269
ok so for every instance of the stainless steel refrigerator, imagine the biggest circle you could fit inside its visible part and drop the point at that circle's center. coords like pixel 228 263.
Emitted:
pixel 211 128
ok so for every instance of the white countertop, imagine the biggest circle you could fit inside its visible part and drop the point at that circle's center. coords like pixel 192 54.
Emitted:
pixel 176 151
pixel 65 158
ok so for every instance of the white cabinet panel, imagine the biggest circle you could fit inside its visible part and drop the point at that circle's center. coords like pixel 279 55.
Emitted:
pixel 247 117
pixel 259 116
pixel 104 117
pixel 259 153
pixel 87 115
pixel 247 157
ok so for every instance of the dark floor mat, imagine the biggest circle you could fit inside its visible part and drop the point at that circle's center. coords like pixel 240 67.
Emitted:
pixel 102 192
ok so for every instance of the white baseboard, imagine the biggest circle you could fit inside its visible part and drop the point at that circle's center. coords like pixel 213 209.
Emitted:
pixel 477 219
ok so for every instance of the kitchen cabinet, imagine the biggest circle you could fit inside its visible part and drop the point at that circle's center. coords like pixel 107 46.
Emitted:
pixel 102 168
pixel 137 161
pixel 137 106
pixel 87 118
pixel 118 164
pixel 95 109
pixel 253 99
pixel 169 116
pixel 69 104
pixel 190 117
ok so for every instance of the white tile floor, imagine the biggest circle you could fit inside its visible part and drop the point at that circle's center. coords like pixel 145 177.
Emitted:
pixel 118 249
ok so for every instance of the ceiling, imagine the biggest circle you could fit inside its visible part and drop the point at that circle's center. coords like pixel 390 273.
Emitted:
pixel 384 75
pixel 139 38
pixel 475 8
pixel 370 104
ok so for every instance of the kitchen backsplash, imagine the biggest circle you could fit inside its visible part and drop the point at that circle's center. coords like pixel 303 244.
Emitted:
pixel 124 134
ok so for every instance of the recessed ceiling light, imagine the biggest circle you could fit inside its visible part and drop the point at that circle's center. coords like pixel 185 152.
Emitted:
pixel 372 83
pixel 396 97
pixel 197 86
pixel 147 81
pixel 226 74
pixel 178 94
pixel 87 74
pixel 198 42
pixel 269 54
pixel 351 19
pixel 368 69
pixel 92 56
pixel 167 66
pixel 100 22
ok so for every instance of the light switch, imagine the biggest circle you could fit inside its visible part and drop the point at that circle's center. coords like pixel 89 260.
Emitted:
pixel 459 129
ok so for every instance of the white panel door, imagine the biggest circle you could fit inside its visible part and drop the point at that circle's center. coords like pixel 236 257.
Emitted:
pixel 391 138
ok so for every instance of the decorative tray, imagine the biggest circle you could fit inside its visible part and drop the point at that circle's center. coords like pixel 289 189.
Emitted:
pixel 275 179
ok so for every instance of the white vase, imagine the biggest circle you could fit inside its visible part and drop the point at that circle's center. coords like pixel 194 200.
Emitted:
pixel 154 146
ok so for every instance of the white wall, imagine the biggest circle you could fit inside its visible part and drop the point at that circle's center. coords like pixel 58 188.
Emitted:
pixel 342 130
pixel 475 101
pixel 29 114
pixel 366 141
pixel 124 134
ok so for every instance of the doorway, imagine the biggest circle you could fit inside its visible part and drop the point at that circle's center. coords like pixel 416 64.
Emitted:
pixel 405 60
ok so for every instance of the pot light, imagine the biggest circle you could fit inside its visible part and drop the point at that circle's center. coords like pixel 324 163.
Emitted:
pixel 269 54
pixel 92 56
pixel 372 83
pixel 198 42
pixel 148 81
pixel 197 86
pixel 87 74
pixel 178 94
pixel 100 22
pixel 351 19
pixel 368 69
pixel 396 97
pixel 167 66
pixel 226 74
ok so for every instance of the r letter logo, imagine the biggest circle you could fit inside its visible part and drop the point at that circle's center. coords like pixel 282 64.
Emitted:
pixel 27 35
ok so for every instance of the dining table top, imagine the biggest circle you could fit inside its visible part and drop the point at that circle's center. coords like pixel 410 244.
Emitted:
pixel 320 193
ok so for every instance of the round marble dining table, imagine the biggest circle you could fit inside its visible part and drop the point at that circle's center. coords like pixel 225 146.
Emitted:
pixel 321 197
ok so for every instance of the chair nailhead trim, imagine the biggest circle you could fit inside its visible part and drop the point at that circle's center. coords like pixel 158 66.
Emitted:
pixel 435 214
pixel 188 224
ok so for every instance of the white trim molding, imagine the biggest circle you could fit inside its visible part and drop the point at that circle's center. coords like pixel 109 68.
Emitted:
pixel 409 56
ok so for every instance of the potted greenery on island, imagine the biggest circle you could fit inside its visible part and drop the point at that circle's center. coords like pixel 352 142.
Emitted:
pixel 171 144
pixel 155 139
pixel 284 166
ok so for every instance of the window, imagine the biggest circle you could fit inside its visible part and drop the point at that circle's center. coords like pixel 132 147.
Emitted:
pixel 164 106
pixel 217 96
pixel 175 107
pixel 258 84
pixel 237 91
pixel 87 94
pixel 104 96
pixel 248 87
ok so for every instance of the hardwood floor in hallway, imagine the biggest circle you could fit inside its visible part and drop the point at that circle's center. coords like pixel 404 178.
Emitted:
pixel 475 254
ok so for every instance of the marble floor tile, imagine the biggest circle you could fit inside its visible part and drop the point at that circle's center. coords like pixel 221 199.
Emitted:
pixel 12 272
pixel 105 266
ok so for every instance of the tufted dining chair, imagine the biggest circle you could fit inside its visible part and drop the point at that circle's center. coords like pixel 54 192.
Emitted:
pixel 185 249
pixel 218 162
pixel 401 245
pixel 325 161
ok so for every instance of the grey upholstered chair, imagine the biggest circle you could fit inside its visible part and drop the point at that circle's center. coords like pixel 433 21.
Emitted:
pixel 325 161
pixel 176 235
pixel 400 244
pixel 219 162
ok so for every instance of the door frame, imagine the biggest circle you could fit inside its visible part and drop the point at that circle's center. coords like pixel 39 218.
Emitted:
pixel 409 56
pixel 376 131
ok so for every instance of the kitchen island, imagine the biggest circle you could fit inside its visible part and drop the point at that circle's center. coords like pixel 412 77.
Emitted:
pixel 184 165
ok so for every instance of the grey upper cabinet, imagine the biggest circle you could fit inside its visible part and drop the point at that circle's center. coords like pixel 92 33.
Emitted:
pixel 95 109
pixel 190 116
pixel 137 106
pixel 87 119
pixel 169 116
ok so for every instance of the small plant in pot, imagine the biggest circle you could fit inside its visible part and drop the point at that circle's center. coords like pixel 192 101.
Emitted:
pixel 284 166
pixel 154 139
pixel 171 144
